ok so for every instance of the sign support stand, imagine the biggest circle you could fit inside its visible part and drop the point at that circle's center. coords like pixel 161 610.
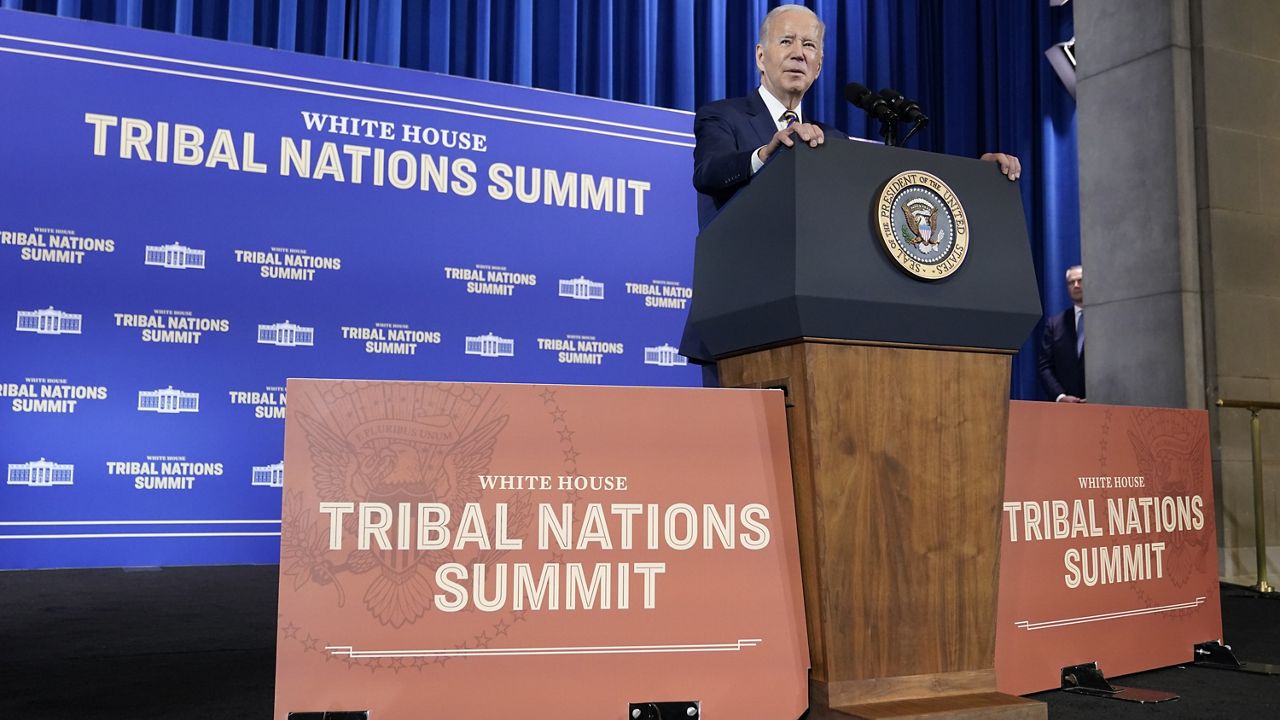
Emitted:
pixel 1214 654
pixel 1087 679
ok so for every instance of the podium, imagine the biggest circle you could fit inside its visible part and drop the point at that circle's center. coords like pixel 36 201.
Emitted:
pixel 898 393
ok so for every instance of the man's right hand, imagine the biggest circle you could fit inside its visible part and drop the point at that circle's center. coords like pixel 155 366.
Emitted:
pixel 807 132
pixel 1071 399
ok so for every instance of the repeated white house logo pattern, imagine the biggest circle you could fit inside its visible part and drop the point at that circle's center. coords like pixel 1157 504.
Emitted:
pixel 665 356
pixel 268 475
pixel 168 401
pixel 41 473
pixel 286 334
pixel 49 321
pixel 175 256
pixel 490 345
pixel 580 288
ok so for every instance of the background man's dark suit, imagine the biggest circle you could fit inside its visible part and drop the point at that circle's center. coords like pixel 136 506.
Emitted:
pixel 727 132
pixel 1061 369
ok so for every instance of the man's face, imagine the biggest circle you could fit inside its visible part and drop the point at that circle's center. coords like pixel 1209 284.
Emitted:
pixel 791 56
pixel 1075 285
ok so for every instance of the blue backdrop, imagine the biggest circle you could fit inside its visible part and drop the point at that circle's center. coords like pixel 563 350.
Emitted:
pixel 187 223
pixel 977 66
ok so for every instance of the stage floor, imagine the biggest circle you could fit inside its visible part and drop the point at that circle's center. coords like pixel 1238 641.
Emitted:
pixel 199 643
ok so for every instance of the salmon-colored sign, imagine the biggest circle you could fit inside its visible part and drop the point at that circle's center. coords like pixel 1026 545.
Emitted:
pixel 1109 553
pixel 491 551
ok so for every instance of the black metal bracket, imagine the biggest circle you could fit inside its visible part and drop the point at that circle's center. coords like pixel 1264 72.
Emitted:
pixel 679 710
pixel 1214 654
pixel 889 131
pixel 1087 679
pixel 783 384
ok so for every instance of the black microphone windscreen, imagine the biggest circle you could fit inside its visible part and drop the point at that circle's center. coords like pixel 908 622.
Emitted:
pixel 905 107
pixel 856 94
pixel 891 95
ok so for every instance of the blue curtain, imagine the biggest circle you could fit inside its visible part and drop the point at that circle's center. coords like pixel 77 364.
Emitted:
pixel 977 66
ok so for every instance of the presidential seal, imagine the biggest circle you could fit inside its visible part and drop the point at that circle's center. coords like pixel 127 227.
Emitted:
pixel 922 225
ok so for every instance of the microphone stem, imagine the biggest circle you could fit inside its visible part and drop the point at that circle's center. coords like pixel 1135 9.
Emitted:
pixel 917 127
pixel 889 131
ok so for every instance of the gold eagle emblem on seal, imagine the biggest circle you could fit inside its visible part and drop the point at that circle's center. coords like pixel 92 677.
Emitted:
pixel 922 225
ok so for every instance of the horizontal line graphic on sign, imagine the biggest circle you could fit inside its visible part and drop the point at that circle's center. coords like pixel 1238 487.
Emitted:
pixel 348 651
pixel 94 536
pixel 1026 625
pixel 53 523
pixel 356 86
pixel 345 96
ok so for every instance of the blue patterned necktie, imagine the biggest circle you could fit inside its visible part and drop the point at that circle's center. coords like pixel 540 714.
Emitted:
pixel 1080 334
pixel 789 118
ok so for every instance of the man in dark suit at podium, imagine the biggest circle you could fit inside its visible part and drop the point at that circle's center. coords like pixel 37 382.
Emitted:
pixel 735 137
pixel 1061 360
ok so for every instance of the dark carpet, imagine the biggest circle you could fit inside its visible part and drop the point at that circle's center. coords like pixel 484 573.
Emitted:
pixel 199 643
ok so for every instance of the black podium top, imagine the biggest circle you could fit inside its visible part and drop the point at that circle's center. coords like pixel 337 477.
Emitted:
pixel 797 254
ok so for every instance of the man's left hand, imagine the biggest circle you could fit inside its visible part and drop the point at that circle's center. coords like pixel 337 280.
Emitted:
pixel 1009 164
pixel 807 133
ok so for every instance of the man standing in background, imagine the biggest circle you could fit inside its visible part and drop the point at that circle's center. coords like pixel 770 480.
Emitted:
pixel 1061 360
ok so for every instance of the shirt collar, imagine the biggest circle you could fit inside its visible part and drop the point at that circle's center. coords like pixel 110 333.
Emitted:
pixel 776 108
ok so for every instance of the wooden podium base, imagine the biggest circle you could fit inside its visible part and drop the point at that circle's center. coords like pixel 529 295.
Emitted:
pixel 988 706
pixel 943 695
pixel 897 457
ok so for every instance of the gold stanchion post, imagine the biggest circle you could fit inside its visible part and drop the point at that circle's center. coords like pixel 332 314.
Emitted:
pixel 1259 509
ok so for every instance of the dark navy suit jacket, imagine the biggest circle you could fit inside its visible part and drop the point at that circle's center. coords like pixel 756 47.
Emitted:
pixel 1061 369
pixel 727 132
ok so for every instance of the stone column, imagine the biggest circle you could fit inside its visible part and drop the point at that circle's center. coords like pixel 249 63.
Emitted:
pixel 1138 232
pixel 1179 134
pixel 1237 70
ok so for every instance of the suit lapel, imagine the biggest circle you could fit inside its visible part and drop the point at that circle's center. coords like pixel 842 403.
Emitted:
pixel 763 125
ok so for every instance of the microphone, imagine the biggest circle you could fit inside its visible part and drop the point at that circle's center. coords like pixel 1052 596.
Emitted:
pixel 906 109
pixel 873 104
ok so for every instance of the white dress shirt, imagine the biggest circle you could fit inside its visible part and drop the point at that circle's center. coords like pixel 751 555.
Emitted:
pixel 775 108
